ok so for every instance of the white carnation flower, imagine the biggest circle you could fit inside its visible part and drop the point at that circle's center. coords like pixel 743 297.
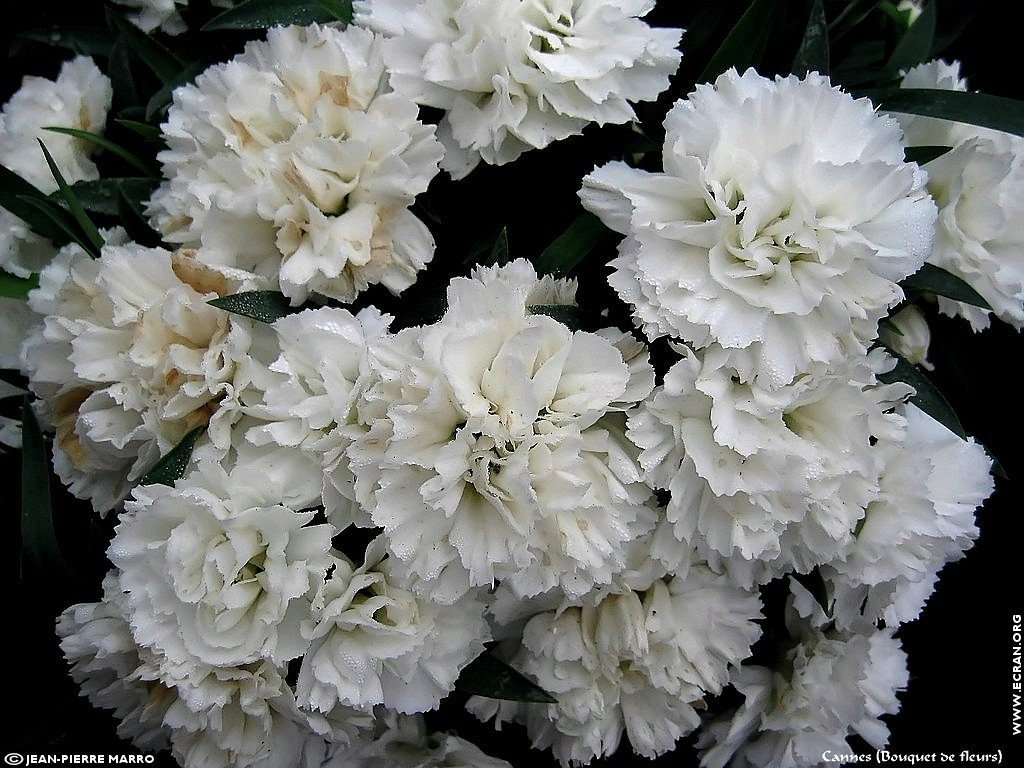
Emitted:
pixel 923 518
pixel 131 357
pixel 496 446
pixel 512 76
pixel 79 98
pixel 830 686
pixel 97 642
pixel 164 15
pixel 295 161
pixel 763 481
pixel 979 188
pixel 217 570
pixel 908 336
pixel 778 229
pixel 637 663
pixel 375 642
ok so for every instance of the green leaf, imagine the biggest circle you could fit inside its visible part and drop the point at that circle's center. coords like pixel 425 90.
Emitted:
pixel 101 196
pixel 573 245
pixel 932 279
pixel 975 108
pixel 149 132
pixel 134 223
pixel 499 252
pixel 164 64
pixel 86 41
pixel 14 287
pixel 129 157
pixel 261 14
pixel 173 464
pixel 122 78
pixel 93 240
pixel 744 46
pixel 813 53
pixel 38 538
pixel 576 318
pixel 489 676
pixel 57 218
pixel 927 396
pixel 265 306
pixel 916 44
pixel 9 390
pixel 14 192
pixel 162 98
pixel 924 154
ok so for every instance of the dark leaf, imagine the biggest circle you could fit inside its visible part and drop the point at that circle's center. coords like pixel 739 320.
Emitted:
pixel 9 390
pixel 162 97
pixel 265 306
pixel 173 464
pixel 489 676
pixel 58 219
pixel 129 157
pixel 121 76
pixel 813 53
pixel 14 192
pixel 149 132
pixel 261 14
pixel 932 279
pixel 86 41
pixel 91 239
pixel 744 46
pixel 924 154
pixel 134 222
pixel 38 538
pixel 928 398
pixel 573 245
pixel 499 252
pixel 14 287
pixel 100 196
pixel 916 44
pixel 996 112
pixel 164 64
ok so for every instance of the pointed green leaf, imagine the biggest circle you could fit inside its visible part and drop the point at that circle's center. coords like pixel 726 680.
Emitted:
pixel 916 44
pixel 86 41
pixel 38 538
pixel 261 14
pixel 134 222
pixel 58 219
pixel 122 78
pixel 489 676
pixel 101 196
pixel 92 235
pixel 14 191
pixel 927 396
pixel 149 132
pixel 924 154
pixel 499 252
pixel 14 287
pixel 932 279
pixel 265 306
pixel 813 53
pixel 164 64
pixel 975 108
pixel 573 245
pixel 162 98
pixel 129 157
pixel 173 464
pixel 9 390
pixel 744 46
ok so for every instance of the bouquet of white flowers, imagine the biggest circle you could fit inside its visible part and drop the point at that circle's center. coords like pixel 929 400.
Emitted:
pixel 418 383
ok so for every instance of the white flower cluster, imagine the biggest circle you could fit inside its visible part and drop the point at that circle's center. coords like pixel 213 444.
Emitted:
pixel 164 15
pixel 366 510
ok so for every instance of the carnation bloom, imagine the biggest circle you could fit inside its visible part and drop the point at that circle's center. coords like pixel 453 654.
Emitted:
pixel 79 98
pixel 217 570
pixel 294 160
pixel 778 229
pixel 763 480
pixel 632 662
pixel 831 685
pixel 496 446
pixel 162 14
pixel 908 335
pixel 130 357
pixel 923 517
pixel 512 76
pixel 375 642
pixel 979 188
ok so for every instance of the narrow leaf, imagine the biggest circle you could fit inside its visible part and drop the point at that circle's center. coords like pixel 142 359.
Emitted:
pixel 744 46
pixel 928 397
pixel 932 279
pixel 149 132
pixel 261 14
pixel 9 390
pixel 14 287
pixel 499 252
pixel 924 154
pixel 38 538
pixel 14 191
pixel 92 235
pixel 173 464
pixel 159 101
pixel 129 157
pixel 122 78
pixel 489 676
pixel 59 220
pixel 135 223
pixel 813 53
pixel 996 112
pixel 265 306
pixel 86 41
pixel 164 64
pixel 101 196
pixel 573 245
pixel 916 44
